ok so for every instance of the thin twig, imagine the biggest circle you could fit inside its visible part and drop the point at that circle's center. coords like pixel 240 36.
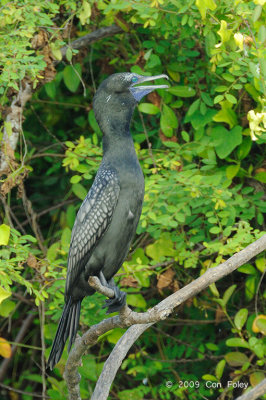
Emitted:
pixel 32 217
pixel 147 140
pixel 32 394
pixel 257 292
pixel 42 323
pixel 22 332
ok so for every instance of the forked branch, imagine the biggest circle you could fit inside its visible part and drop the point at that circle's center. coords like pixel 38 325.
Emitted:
pixel 139 322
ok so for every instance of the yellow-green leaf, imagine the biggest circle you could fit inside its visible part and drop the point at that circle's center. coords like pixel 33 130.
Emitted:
pixel 4 294
pixel 223 32
pixel 85 12
pixel 4 234
pixel 232 170
pixel 204 5
pixel 236 358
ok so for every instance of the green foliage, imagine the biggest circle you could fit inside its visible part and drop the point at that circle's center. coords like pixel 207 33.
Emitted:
pixel 14 255
pixel 200 148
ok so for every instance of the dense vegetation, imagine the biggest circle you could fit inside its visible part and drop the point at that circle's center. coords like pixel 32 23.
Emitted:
pixel 201 149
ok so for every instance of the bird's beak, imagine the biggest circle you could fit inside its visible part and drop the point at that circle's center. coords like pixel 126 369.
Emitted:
pixel 141 90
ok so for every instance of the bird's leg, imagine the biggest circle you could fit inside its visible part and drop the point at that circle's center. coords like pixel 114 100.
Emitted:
pixel 102 279
pixel 118 301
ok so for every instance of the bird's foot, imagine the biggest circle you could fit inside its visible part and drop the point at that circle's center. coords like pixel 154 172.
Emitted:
pixel 116 302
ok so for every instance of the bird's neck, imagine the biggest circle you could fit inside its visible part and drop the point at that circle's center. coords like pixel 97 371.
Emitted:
pixel 118 144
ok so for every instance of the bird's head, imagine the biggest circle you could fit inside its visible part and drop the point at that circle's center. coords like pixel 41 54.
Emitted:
pixel 117 95
pixel 127 84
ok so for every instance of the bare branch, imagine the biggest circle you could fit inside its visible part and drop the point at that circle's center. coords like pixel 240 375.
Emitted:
pixel 95 283
pixel 255 393
pixel 13 124
pixel 92 37
pixel 114 361
pixel 142 321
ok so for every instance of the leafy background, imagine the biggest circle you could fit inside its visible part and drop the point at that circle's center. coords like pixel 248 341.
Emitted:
pixel 200 145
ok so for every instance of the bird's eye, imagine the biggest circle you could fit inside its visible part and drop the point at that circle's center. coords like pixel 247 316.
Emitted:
pixel 134 79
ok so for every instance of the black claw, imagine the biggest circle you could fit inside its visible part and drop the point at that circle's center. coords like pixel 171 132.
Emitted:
pixel 117 302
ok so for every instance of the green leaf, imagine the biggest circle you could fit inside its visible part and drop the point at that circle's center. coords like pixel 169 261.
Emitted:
pixel 194 107
pixel 247 269
pixel 221 88
pixel 71 77
pixel 75 179
pixel 206 98
pixel 257 346
pixel 218 99
pixel 50 89
pixel 231 98
pixel 168 121
pixel 228 77
pixel 250 287
pixel 261 177
pixel 226 141
pixel 240 318
pixel 4 294
pixel 232 170
pixel 237 342
pixel 148 108
pixel 56 51
pixel 69 54
pixel 93 122
pixel 228 293
pixel 256 13
pixel 70 215
pixel 256 377
pixel 235 358
pixel 244 148
pixel 115 334
pixel 79 191
pixel 185 137
pixel 215 230
pixel 4 234
pixel 6 308
pixel 65 238
pixel 210 41
pixel 52 252
pixel 136 300
pixel 208 377
pixel 182 91
pixel 220 369
pixel 161 248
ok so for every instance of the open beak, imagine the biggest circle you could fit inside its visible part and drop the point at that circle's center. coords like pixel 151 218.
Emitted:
pixel 142 90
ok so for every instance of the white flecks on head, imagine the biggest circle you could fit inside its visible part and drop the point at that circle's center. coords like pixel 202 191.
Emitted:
pixel 108 98
pixel 128 77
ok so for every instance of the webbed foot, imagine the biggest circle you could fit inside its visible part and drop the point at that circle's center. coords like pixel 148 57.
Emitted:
pixel 118 301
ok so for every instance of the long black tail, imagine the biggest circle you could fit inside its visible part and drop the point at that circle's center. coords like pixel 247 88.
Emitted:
pixel 67 327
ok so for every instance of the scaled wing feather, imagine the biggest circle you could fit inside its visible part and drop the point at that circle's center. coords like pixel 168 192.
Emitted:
pixel 93 219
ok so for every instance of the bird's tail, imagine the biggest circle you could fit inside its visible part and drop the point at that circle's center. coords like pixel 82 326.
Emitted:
pixel 67 327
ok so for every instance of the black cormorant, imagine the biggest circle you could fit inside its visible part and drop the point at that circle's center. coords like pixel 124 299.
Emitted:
pixel 107 219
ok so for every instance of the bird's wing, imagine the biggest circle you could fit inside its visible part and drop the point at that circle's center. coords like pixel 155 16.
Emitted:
pixel 93 219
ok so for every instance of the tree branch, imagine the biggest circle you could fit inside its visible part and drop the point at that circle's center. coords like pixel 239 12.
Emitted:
pixel 92 37
pixel 255 393
pixel 141 322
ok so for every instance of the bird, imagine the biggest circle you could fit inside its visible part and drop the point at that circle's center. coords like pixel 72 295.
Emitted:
pixel 108 217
